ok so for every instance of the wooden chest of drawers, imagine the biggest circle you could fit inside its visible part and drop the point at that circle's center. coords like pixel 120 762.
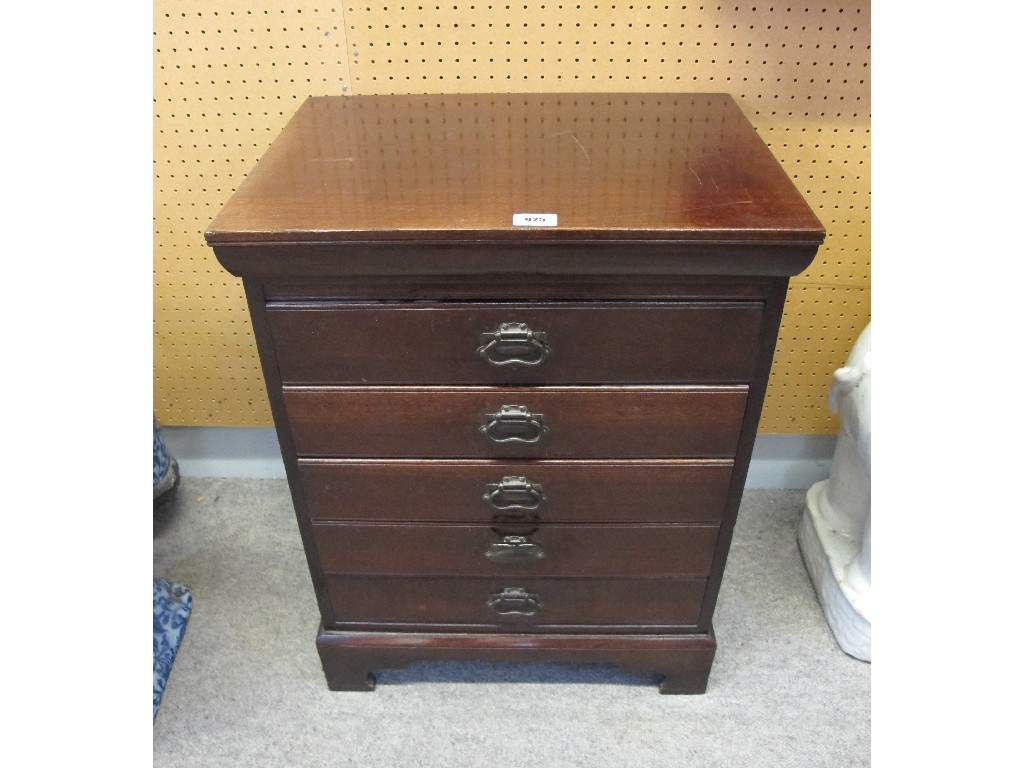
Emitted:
pixel 517 441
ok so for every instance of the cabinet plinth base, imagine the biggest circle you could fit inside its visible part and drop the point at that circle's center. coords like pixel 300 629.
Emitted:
pixel 684 661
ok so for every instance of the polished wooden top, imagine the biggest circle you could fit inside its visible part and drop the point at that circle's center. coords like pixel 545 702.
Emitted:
pixel 612 167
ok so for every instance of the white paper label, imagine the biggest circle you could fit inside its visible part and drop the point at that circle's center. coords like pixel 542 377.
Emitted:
pixel 534 219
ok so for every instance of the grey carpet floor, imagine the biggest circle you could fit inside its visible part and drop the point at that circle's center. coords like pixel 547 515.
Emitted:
pixel 247 690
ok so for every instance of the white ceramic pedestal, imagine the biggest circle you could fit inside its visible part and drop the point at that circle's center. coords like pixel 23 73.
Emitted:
pixel 835 530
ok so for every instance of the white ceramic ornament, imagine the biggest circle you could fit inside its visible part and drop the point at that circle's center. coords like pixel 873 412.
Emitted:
pixel 835 530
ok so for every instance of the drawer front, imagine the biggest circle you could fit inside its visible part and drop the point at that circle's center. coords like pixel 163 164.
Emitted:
pixel 494 344
pixel 650 491
pixel 549 422
pixel 502 604
pixel 619 551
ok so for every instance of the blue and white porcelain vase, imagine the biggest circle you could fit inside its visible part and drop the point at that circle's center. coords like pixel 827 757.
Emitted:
pixel 165 468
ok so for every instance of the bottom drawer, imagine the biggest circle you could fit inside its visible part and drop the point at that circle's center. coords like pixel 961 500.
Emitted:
pixel 533 604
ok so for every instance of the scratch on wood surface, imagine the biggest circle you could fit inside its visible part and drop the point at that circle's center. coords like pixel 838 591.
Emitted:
pixel 572 135
pixel 720 205
pixel 580 145
pixel 694 173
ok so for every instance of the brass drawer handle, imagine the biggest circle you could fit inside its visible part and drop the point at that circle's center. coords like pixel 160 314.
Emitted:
pixel 514 344
pixel 514 549
pixel 514 601
pixel 514 493
pixel 514 423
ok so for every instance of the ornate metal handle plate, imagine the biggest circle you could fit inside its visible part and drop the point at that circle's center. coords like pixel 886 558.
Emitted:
pixel 514 549
pixel 514 423
pixel 514 601
pixel 514 344
pixel 514 492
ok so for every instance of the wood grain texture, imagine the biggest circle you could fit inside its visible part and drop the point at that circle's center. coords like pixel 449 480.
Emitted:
pixel 773 316
pixel 583 422
pixel 376 243
pixel 645 259
pixel 335 343
pixel 490 287
pixel 585 491
pixel 682 660
pixel 442 167
pixel 425 603
pixel 424 549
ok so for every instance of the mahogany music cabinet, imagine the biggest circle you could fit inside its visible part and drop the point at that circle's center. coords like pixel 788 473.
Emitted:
pixel 516 348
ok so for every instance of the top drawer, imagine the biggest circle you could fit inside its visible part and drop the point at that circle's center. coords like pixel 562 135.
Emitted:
pixel 379 343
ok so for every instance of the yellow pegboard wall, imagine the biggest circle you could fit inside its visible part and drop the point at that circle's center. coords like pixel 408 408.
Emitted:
pixel 800 72
pixel 227 77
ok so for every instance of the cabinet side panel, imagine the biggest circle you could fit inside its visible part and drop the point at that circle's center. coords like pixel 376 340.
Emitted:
pixel 751 418
pixel 268 360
